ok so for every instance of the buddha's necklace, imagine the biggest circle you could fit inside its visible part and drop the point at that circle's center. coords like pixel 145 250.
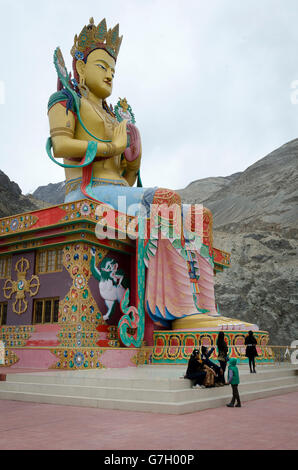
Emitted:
pixel 110 121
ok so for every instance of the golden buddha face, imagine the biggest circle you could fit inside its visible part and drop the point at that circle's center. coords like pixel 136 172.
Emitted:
pixel 97 73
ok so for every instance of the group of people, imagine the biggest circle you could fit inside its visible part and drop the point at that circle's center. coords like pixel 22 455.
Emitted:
pixel 205 373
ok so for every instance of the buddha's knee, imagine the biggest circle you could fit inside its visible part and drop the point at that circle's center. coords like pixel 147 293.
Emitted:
pixel 166 196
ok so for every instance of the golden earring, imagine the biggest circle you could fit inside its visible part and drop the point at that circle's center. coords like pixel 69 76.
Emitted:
pixel 84 90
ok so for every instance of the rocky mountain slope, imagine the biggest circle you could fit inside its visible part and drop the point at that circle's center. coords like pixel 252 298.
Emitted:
pixel 261 285
pixel 12 201
pixel 202 189
pixel 52 193
pixel 255 215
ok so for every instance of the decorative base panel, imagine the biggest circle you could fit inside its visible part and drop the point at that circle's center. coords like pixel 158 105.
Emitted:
pixel 175 346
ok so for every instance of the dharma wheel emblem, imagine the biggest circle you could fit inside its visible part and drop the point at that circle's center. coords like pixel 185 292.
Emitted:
pixel 21 286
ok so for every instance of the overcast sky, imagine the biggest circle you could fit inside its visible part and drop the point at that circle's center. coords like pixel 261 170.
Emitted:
pixel 208 81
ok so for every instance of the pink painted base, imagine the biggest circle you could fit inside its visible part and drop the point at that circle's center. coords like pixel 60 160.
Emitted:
pixel 33 359
pixel 43 351
pixel 118 358
pixel 44 359
pixel 44 335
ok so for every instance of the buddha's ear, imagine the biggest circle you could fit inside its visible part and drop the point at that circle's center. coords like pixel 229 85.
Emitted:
pixel 80 66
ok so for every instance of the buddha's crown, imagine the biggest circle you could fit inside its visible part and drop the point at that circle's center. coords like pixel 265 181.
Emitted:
pixel 96 37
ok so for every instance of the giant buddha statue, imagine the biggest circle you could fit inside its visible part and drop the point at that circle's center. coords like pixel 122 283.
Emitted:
pixel 100 149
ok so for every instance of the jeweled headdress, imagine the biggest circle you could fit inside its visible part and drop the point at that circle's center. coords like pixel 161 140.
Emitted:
pixel 96 37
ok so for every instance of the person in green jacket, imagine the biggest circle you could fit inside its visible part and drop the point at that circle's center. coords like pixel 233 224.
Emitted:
pixel 233 378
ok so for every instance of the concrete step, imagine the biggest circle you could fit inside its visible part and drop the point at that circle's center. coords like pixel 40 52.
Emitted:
pixel 141 389
pixel 75 379
pixel 147 379
pixel 138 394
pixel 146 406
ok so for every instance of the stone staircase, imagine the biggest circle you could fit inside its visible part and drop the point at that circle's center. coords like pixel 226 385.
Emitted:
pixel 151 388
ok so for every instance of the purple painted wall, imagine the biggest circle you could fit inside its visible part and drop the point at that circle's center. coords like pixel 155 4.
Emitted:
pixel 54 285
pixel 51 285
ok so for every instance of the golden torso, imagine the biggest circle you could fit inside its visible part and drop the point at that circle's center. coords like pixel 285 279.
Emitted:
pixel 101 125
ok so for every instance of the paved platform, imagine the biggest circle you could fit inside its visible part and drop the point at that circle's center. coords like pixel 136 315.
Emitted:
pixel 267 424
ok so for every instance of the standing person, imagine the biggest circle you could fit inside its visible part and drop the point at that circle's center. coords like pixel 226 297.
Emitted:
pixel 233 376
pixel 222 354
pixel 251 351
pixel 195 370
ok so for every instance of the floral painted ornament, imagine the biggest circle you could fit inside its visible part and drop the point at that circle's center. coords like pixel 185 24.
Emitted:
pixel 79 359
pixel 123 111
pixel 79 55
pixel 14 224
pixel 85 209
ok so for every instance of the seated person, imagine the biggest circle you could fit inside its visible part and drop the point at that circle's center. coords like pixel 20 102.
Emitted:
pixel 205 354
pixel 195 370
pixel 209 380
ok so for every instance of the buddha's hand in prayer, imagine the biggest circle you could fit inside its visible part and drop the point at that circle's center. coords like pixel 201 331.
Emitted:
pixel 120 137
pixel 132 152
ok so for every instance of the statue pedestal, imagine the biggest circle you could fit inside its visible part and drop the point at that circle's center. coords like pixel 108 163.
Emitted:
pixel 54 309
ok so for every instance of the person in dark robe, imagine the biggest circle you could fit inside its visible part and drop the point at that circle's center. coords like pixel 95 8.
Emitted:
pixel 251 351
pixel 222 357
pixel 195 369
